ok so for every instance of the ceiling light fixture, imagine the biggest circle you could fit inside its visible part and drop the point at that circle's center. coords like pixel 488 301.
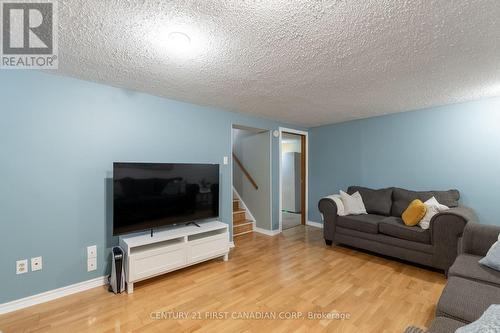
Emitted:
pixel 180 39
pixel 179 43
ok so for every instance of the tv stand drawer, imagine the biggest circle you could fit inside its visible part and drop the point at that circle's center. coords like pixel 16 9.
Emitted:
pixel 141 266
pixel 208 247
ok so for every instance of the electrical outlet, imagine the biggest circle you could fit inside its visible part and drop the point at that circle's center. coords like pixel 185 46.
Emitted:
pixel 36 264
pixel 226 160
pixel 92 251
pixel 91 264
pixel 22 266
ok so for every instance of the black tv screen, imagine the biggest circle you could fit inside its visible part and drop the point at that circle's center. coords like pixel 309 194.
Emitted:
pixel 150 195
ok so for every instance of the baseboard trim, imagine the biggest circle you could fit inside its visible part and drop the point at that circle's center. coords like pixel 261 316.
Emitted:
pixel 231 245
pixel 315 224
pixel 266 232
pixel 52 294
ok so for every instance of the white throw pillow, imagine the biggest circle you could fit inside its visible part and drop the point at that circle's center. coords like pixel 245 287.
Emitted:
pixel 492 259
pixel 433 207
pixel 338 201
pixel 353 204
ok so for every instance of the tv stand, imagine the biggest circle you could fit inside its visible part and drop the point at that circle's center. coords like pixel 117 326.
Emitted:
pixel 148 255
pixel 196 224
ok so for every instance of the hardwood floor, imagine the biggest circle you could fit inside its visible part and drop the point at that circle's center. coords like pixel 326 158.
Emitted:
pixel 293 273
pixel 290 220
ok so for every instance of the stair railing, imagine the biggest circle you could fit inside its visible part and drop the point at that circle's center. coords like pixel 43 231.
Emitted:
pixel 245 172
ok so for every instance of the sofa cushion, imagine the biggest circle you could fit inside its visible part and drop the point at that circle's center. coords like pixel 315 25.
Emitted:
pixel 353 204
pixel 466 300
pixel 433 208
pixel 414 213
pixel 376 201
pixel 467 266
pixel 395 227
pixel 445 325
pixel 364 223
pixel 383 240
pixel 401 198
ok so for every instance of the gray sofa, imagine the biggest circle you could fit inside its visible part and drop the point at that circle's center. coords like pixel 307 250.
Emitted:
pixel 383 231
pixel 471 287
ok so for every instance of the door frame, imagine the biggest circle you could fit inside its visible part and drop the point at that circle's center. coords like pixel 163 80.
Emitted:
pixel 280 186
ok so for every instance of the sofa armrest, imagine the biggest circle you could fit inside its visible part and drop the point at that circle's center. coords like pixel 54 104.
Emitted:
pixel 451 222
pixel 478 238
pixel 446 231
pixel 328 210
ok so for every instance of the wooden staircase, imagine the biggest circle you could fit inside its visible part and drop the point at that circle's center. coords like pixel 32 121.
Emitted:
pixel 241 225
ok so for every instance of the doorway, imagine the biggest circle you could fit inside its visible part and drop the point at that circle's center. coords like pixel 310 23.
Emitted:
pixel 293 178
pixel 251 176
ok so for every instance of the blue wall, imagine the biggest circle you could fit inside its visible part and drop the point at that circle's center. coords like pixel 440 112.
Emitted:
pixel 58 139
pixel 455 146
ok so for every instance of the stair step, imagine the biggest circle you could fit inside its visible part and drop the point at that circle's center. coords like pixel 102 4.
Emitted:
pixel 236 205
pixel 239 216
pixel 242 222
pixel 243 233
pixel 238 229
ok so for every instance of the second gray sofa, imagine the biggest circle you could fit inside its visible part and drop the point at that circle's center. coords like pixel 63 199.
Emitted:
pixel 471 287
pixel 383 231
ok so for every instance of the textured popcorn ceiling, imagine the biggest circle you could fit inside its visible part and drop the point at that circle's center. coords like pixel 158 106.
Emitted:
pixel 307 62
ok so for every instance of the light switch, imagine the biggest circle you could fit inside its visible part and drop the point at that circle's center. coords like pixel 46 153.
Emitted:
pixel 226 160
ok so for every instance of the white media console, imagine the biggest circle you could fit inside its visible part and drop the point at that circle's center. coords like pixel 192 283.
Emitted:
pixel 171 249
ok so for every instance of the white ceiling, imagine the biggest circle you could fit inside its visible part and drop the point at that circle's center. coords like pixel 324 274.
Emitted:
pixel 306 62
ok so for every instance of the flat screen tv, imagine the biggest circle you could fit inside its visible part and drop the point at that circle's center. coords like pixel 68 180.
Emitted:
pixel 151 195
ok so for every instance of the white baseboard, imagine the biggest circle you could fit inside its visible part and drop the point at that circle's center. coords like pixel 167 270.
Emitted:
pixel 231 245
pixel 315 224
pixel 52 294
pixel 266 232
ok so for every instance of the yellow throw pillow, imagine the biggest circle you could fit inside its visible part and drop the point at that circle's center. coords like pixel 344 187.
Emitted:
pixel 414 213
